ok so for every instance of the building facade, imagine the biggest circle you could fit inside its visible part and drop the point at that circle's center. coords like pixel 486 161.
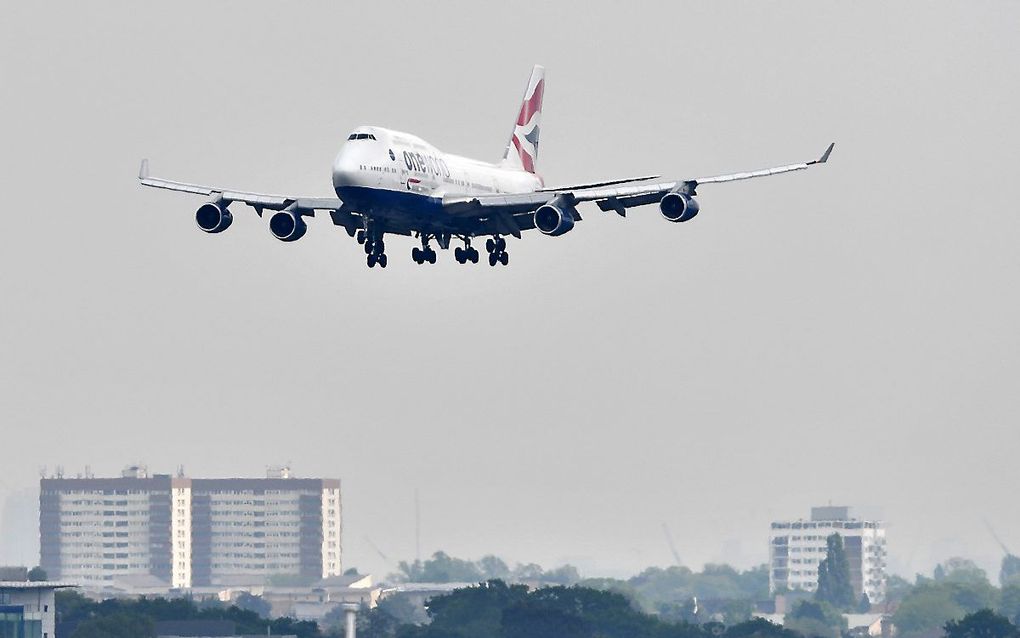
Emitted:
pixel 27 609
pixel 796 548
pixel 190 532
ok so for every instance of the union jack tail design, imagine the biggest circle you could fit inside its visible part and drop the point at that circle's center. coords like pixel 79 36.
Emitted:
pixel 522 149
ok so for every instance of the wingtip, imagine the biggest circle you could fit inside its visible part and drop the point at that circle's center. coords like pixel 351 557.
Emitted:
pixel 143 170
pixel 825 155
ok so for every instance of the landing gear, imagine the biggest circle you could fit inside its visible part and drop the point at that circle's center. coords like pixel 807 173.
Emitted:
pixel 496 246
pixel 375 250
pixel 467 253
pixel 423 254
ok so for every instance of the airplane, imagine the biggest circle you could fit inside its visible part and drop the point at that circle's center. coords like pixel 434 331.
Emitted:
pixel 389 182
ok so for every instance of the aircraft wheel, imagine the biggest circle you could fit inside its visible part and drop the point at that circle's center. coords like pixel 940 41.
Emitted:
pixel 379 246
pixel 368 248
pixel 431 256
pixel 492 259
pixel 416 255
pixel 504 258
pixel 371 260
pixel 382 261
pixel 490 245
pixel 473 256
pixel 500 244
pixel 361 237
pixel 458 254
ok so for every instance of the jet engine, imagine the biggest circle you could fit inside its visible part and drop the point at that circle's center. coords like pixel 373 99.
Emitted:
pixel 212 218
pixel 554 218
pixel 678 207
pixel 287 225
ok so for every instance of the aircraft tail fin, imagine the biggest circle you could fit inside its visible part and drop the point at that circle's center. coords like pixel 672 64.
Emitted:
pixel 522 149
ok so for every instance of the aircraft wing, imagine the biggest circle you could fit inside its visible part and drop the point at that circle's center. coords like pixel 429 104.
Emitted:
pixel 258 201
pixel 615 197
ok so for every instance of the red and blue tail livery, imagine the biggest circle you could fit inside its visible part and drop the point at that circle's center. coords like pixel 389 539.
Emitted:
pixel 388 182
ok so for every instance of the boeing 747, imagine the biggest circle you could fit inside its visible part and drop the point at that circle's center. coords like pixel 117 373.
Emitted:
pixel 388 182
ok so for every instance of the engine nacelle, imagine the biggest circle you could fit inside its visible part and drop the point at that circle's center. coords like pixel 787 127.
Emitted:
pixel 287 225
pixel 678 207
pixel 554 219
pixel 212 218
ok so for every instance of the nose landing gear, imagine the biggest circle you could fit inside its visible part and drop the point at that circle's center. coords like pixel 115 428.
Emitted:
pixel 375 249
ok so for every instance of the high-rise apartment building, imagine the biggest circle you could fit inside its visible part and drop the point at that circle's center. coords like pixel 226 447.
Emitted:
pixel 796 548
pixel 190 532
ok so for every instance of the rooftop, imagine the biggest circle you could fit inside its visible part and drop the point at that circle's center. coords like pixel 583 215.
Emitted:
pixel 28 584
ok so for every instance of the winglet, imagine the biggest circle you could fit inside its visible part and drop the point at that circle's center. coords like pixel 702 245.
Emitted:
pixel 825 156
pixel 143 171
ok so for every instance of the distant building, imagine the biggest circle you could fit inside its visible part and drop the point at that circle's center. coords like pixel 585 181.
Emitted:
pixel 796 548
pixel 27 609
pixel 182 532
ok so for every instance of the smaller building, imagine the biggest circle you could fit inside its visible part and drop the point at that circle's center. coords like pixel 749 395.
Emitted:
pixel 796 548
pixel 27 609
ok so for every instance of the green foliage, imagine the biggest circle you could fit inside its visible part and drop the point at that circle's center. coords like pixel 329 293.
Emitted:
pixel 981 624
pixel 94 616
pixel 119 625
pixel 37 574
pixel 497 610
pixel 759 628
pixel 961 570
pixel 254 604
pixel 443 568
pixel 864 606
pixel 930 605
pixel 1009 603
pixel 834 586
pixel 896 588
pixel 718 588
pixel 493 568
pixel 1009 572
pixel 816 619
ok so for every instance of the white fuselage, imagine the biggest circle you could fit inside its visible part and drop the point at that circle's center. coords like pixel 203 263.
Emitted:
pixel 377 166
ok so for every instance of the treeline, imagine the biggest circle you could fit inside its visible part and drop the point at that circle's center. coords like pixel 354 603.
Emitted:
pixel 665 591
pixel 81 617
pixel 498 610
pixel 957 588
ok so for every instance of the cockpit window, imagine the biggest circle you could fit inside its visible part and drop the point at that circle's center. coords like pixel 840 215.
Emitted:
pixel 361 136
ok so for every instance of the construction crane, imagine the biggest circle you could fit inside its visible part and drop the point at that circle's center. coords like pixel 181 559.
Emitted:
pixel 672 545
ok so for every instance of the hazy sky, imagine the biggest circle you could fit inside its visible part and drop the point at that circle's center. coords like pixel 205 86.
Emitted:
pixel 849 333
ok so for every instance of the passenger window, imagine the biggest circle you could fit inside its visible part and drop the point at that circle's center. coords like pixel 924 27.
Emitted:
pixel 353 136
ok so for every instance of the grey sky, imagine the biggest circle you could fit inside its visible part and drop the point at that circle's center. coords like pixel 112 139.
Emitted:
pixel 845 334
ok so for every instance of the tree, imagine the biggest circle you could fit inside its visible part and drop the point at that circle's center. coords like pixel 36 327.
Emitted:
pixel 864 606
pixel 896 588
pixel 928 606
pixel 120 625
pixel 563 575
pixel 255 604
pixel 834 585
pixel 37 574
pixel 982 624
pixel 759 628
pixel 1009 603
pixel 1009 573
pixel 493 568
pixel 816 619
pixel 961 570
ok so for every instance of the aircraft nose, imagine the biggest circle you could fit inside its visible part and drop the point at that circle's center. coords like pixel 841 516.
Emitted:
pixel 345 171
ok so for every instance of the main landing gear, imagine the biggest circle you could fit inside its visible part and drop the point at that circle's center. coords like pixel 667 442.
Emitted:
pixel 496 246
pixel 423 254
pixel 375 249
pixel 467 253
